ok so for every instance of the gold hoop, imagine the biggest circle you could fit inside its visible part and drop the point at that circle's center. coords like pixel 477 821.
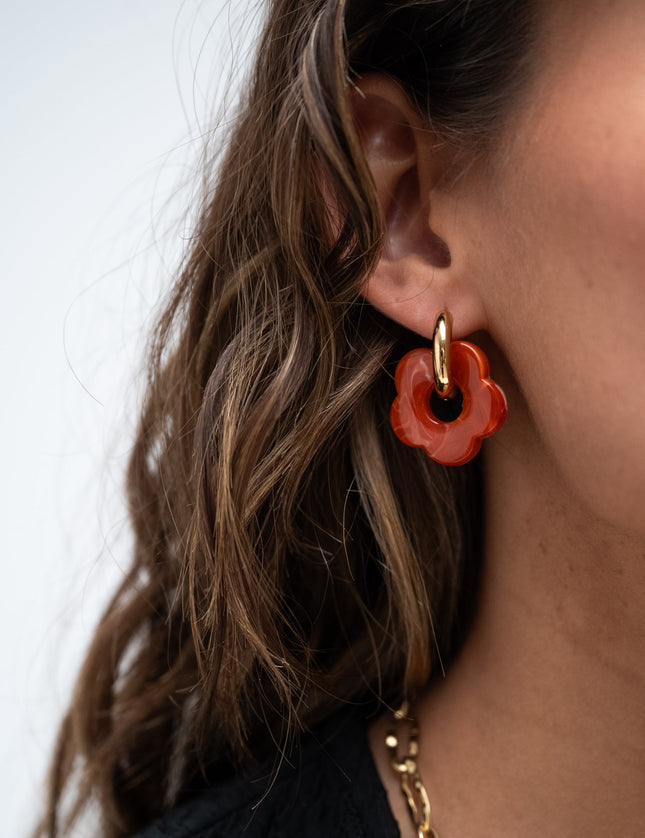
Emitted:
pixel 441 340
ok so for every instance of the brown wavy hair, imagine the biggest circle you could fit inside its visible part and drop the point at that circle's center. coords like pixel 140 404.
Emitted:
pixel 290 555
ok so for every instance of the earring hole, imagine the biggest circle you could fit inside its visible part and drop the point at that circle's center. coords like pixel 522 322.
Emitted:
pixel 447 410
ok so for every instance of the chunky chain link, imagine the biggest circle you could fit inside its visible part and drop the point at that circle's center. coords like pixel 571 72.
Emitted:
pixel 414 792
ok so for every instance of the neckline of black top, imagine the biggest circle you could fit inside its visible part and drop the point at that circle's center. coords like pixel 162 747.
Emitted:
pixel 329 786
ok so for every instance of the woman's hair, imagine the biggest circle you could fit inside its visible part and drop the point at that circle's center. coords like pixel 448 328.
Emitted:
pixel 290 555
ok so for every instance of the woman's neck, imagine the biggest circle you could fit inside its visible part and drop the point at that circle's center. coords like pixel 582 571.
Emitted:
pixel 539 727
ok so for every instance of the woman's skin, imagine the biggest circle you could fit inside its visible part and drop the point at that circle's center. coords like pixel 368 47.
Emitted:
pixel 539 727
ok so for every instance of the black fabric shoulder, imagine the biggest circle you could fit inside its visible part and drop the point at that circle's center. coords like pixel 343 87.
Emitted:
pixel 329 787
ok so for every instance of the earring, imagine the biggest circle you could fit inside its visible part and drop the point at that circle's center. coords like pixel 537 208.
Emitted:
pixel 446 403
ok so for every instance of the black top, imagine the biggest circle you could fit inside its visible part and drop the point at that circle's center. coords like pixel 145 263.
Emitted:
pixel 330 787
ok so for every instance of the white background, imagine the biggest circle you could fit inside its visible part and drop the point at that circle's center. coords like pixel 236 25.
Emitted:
pixel 103 108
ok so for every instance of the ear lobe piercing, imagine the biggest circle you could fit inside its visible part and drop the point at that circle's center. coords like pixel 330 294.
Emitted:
pixel 428 381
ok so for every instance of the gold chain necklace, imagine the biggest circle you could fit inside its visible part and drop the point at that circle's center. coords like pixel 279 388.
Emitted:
pixel 414 792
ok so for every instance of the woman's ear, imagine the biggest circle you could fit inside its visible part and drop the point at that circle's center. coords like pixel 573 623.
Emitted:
pixel 415 278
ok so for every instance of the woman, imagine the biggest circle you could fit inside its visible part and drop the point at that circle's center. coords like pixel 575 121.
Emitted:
pixel 297 568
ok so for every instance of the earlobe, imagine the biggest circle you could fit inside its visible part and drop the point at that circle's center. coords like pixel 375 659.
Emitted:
pixel 407 161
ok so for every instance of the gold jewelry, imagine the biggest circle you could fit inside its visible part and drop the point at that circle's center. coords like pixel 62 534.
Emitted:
pixel 441 340
pixel 414 792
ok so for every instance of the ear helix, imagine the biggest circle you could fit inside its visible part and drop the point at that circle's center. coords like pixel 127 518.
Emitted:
pixel 446 401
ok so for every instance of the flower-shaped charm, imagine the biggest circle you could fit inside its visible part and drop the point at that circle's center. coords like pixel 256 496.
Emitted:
pixel 483 410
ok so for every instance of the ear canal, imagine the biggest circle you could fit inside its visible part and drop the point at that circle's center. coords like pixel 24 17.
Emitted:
pixel 407 226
